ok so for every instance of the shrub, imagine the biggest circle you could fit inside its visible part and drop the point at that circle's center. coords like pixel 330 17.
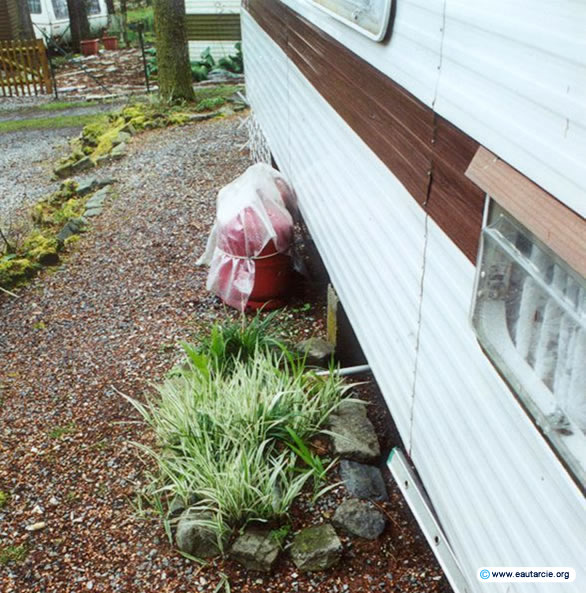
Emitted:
pixel 222 436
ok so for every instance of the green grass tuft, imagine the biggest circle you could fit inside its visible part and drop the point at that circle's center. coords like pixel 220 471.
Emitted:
pixel 64 121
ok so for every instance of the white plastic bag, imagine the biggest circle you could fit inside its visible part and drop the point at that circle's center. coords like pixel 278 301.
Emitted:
pixel 251 212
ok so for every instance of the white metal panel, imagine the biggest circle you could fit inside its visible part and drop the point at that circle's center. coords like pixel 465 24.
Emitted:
pixel 368 229
pixel 501 494
pixel 511 74
pixel 211 6
pixel 218 49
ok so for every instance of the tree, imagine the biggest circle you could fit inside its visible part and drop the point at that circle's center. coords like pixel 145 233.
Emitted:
pixel 25 25
pixel 172 53
pixel 78 21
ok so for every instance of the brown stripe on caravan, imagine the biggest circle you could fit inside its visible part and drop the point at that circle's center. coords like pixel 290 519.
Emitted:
pixel 560 228
pixel 423 150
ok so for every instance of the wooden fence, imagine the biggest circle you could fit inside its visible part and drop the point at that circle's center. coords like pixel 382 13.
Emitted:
pixel 24 69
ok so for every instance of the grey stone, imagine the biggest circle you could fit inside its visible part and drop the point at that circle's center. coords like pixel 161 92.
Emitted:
pixel 363 481
pixel 354 436
pixel 359 518
pixel 195 539
pixel 63 171
pixel 256 549
pixel 122 138
pixel 203 116
pixel 119 151
pixel 73 227
pixel 87 186
pixel 316 548
pixel 83 164
pixel 129 129
pixel 98 199
pixel 318 352
pixel 95 211
pixel 93 183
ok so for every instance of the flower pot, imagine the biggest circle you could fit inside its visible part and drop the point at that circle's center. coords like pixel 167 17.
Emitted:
pixel 110 42
pixel 89 47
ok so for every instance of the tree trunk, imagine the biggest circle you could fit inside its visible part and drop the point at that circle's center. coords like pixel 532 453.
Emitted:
pixel 25 25
pixel 111 7
pixel 80 27
pixel 172 53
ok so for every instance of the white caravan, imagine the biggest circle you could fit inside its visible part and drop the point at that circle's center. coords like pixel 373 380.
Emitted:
pixel 51 18
pixel 438 152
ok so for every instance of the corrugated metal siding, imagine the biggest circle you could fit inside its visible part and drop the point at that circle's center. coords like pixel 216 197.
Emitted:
pixel 220 27
pixel 380 224
pixel 513 76
pixel 211 6
pixel 219 49
pixel 500 493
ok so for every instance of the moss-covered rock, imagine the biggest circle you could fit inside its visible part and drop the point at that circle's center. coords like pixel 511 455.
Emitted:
pixel 15 269
pixel 41 249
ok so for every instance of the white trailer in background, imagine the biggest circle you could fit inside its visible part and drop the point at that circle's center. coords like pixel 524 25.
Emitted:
pixel 51 18
pixel 214 24
pixel 438 152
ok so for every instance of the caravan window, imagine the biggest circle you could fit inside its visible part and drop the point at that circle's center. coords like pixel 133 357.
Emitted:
pixel 93 7
pixel 60 9
pixel 34 6
pixel 370 17
pixel 530 316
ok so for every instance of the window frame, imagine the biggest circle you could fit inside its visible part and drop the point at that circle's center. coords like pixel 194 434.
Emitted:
pixel 379 36
pixel 560 234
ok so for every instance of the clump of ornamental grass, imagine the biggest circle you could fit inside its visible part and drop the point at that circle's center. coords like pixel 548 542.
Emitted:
pixel 228 443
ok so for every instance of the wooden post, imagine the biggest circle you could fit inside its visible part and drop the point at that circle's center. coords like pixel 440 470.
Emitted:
pixel 42 53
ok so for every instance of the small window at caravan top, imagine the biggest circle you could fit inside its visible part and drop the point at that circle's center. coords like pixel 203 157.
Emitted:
pixel 34 6
pixel 530 316
pixel 60 9
pixel 369 17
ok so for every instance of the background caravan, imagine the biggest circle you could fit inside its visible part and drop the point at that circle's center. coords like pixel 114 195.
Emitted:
pixel 437 151
pixel 51 18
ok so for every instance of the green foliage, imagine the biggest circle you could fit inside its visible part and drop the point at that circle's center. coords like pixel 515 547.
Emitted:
pixel 280 534
pixel 60 431
pixel 234 341
pixel 210 104
pixel 4 498
pixel 12 554
pixel 222 425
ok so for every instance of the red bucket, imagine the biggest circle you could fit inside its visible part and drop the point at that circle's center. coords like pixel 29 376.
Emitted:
pixel 272 279
pixel 110 42
pixel 89 47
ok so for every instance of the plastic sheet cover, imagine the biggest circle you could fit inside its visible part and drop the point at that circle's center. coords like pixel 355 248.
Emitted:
pixel 253 220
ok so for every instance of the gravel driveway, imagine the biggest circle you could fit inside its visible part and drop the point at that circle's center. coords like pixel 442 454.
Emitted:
pixel 27 156
pixel 77 336
pixel 107 322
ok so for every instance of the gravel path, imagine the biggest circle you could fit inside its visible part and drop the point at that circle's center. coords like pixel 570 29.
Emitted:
pixel 107 322
pixel 75 337
pixel 26 159
pixel 27 156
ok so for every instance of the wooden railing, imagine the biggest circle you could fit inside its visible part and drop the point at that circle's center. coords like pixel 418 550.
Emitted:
pixel 24 69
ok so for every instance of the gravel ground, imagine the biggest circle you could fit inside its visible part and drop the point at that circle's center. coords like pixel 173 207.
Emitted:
pixel 106 322
pixel 27 156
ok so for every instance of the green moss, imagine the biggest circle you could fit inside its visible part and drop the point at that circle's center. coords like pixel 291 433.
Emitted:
pixel 12 554
pixel 71 240
pixel 4 498
pixel 210 104
pixel 41 249
pixel 178 118
pixel 13 270
pixel 73 208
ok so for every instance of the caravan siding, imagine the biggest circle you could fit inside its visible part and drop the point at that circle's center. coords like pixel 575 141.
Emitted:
pixel 402 258
pixel 214 24
pixel 510 74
